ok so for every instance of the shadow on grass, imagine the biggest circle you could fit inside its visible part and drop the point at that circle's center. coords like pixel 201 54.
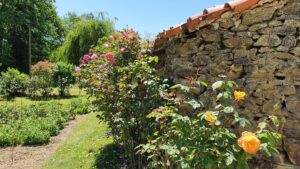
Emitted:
pixel 110 157
pixel 52 97
pixel 38 98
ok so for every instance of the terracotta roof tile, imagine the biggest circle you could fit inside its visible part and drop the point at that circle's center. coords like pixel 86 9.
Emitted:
pixel 208 14
pixel 193 21
pixel 174 31
pixel 215 12
pixel 240 5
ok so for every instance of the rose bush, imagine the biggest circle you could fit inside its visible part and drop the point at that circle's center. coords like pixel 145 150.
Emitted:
pixel 149 119
pixel 119 75
pixel 207 139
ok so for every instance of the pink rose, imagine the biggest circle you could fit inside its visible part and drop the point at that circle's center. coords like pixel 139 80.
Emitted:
pixel 106 46
pixel 94 56
pixel 86 58
pixel 111 58
pixel 122 50
pixel 127 36
pixel 111 38
pixel 77 69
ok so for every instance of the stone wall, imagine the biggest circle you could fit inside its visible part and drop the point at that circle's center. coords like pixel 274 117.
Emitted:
pixel 260 50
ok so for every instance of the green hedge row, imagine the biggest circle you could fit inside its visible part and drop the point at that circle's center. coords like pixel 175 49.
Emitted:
pixel 35 124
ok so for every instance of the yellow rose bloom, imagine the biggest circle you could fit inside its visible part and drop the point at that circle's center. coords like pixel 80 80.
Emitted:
pixel 210 117
pixel 239 95
pixel 249 142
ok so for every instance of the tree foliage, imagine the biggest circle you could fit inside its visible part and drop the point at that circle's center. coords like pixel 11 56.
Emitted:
pixel 85 30
pixel 17 16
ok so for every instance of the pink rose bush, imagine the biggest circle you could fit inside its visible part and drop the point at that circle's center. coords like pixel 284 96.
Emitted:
pixel 119 75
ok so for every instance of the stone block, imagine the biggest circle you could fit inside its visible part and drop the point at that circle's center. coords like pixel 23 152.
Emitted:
pixel 289 41
pixel 256 27
pixel 281 30
pixel 268 40
pixel 244 53
pixel 238 42
pixel 210 36
pixel 258 15
pixel 293 106
pixel 292 147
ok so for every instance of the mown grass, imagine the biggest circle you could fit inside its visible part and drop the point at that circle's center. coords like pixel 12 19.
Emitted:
pixel 81 148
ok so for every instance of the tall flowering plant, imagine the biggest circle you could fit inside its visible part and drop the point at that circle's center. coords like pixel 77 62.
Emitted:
pixel 119 75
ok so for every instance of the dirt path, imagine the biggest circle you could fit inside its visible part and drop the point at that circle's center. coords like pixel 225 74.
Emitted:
pixel 23 157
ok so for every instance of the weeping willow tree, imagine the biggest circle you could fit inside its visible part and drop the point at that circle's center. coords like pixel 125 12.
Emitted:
pixel 84 33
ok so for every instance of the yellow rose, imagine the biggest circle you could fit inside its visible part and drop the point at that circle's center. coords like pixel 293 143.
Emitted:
pixel 239 95
pixel 210 117
pixel 249 142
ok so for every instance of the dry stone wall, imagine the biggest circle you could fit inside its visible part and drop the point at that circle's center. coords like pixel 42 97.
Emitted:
pixel 260 50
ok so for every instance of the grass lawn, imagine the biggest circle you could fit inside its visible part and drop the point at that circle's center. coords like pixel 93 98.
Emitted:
pixel 74 92
pixel 82 146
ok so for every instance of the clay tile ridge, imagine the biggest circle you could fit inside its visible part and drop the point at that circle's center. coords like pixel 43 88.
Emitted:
pixel 207 14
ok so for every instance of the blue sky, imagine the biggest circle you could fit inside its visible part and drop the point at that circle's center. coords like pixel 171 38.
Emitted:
pixel 146 16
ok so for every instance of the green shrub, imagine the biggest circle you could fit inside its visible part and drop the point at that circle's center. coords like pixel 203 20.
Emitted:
pixel 13 82
pixel 63 77
pixel 41 79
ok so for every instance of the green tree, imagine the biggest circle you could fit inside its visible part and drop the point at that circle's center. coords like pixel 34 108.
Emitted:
pixel 85 30
pixel 17 17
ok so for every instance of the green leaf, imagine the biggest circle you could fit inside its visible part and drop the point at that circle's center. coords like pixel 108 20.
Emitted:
pixel 220 95
pixel 217 85
pixel 233 83
pixel 242 162
pixel 181 87
pixel 229 158
pixel 185 165
pixel 154 59
pixel 262 125
pixel 243 122
pixel 275 121
pixel 228 109
pixel 193 103
pixel 202 83
pixel 227 95
pixel 199 114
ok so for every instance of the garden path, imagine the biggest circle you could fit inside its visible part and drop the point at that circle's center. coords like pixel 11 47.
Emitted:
pixel 33 157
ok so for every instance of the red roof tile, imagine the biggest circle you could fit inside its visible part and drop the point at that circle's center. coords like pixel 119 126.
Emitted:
pixel 208 14
pixel 174 31
pixel 240 5
pixel 193 21
pixel 215 12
